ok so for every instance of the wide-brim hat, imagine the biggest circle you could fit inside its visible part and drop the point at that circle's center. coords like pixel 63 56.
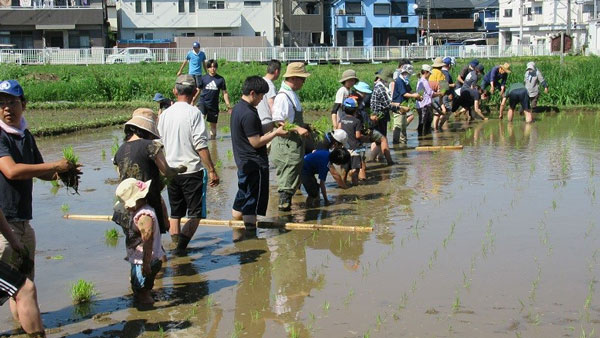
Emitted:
pixel 144 118
pixel 506 67
pixel 363 87
pixel 386 75
pixel 348 74
pixel 296 69
pixel 438 62
pixel 132 190
pixel 426 68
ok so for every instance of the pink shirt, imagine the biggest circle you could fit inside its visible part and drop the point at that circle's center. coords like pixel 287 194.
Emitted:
pixel 425 90
pixel 136 256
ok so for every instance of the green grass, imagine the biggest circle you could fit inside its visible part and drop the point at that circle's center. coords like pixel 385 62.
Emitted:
pixel 82 291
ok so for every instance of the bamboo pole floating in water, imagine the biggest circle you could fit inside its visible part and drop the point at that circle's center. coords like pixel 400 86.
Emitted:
pixel 436 148
pixel 240 224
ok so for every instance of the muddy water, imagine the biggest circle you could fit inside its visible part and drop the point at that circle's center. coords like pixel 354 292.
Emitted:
pixel 499 239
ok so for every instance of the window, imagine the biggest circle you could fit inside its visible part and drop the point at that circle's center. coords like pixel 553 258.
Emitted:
pixel 181 6
pixel 257 34
pixel 216 4
pixel 404 19
pixel 537 10
pixel 252 4
pixel 351 19
pixel 305 8
pixel 588 8
pixel 138 6
pixel 222 34
pixel 79 39
pixel 5 38
pixel 381 9
pixel 508 13
pixel 148 36
pixel 353 8
pixel 399 8
pixel 188 34
pixel 192 5
pixel 148 6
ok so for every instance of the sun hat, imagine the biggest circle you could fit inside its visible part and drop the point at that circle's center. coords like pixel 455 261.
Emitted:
pixel 474 63
pixel 143 118
pixel 296 69
pixel 131 190
pixel 350 102
pixel 340 135
pixel 426 68
pixel 448 61
pixel 363 87
pixel 506 67
pixel 186 80
pixel 530 65
pixel 348 74
pixel 196 44
pixel 158 97
pixel 407 68
pixel 386 75
pixel 11 87
pixel 437 62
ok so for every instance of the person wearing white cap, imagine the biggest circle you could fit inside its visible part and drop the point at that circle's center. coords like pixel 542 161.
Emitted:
pixel 533 80
pixel 424 105
pixel 402 92
pixel 196 59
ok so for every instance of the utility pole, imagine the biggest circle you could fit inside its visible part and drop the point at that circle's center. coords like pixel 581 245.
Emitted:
pixel 521 13
pixel 428 21
pixel 568 17
pixel 281 39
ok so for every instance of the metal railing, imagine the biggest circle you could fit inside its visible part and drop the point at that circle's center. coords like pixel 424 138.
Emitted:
pixel 261 54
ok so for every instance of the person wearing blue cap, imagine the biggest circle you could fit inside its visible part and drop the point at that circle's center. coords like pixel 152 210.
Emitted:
pixel 163 102
pixel 196 59
pixel 352 125
pixel 20 162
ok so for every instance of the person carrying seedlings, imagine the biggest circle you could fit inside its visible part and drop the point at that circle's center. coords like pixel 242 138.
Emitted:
pixel 496 78
pixel 348 80
pixel 516 94
pixel 462 76
pixel 19 287
pixel 212 84
pixel 287 152
pixel 470 99
pixel 436 70
pixel 142 237
pixel 142 157
pixel 196 58
pixel 424 107
pixel 265 107
pixel 401 93
pixel 533 80
pixel 185 138
pixel 319 163
pixel 353 127
pixel 163 102
pixel 249 144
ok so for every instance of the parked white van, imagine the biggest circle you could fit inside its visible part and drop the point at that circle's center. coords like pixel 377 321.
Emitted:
pixel 132 55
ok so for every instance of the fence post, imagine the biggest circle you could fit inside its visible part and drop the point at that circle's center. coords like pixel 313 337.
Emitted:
pixel 166 55
pixel 387 52
pixel 306 54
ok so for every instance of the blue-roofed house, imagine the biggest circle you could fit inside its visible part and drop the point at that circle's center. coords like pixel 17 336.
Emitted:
pixel 373 23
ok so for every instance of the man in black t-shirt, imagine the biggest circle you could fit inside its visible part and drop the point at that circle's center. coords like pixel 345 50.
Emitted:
pixel 212 84
pixel 250 153
pixel 470 99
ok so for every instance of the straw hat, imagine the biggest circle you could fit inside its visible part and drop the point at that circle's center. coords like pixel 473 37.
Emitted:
pixel 506 67
pixel 144 118
pixel 131 190
pixel 348 74
pixel 438 63
pixel 296 69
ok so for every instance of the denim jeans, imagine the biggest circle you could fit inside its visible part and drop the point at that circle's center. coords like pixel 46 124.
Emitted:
pixel 138 281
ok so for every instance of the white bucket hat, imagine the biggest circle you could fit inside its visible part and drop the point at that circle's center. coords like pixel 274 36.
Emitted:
pixel 132 190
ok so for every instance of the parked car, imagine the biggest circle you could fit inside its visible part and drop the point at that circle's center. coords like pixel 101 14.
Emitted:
pixel 9 55
pixel 132 55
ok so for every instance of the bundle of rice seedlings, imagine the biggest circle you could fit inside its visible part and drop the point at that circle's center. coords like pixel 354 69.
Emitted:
pixel 70 178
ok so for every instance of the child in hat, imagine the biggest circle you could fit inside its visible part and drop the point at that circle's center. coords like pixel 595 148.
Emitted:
pixel 142 237
pixel 353 126
pixel 320 163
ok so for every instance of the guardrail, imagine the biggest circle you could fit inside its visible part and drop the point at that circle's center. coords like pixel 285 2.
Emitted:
pixel 261 54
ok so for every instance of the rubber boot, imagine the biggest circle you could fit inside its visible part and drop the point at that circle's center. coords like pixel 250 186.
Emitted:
pixel 182 245
pixel 285 201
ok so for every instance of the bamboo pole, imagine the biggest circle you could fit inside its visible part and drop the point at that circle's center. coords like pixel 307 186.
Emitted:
pixel 437 148
pixel 240 224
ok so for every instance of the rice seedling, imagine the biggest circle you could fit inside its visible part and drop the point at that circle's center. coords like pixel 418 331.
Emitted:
pixel 210 301
pixel 82 291
pixel 229 154
pixel 255 315
pixel 115 146
pixel 219 164
pixel 326 306
pixel 70 178
pixel 379 321
pixel 293 332
pixel 367 334
pixel 238 327
pixel 456 304
pixel 584 335
pixel 65 208
pixel 225 130
pixel 111 234
pixel 288 126
pixel 320 128
pixel 103 154
pixel 57 257
pixel 466 281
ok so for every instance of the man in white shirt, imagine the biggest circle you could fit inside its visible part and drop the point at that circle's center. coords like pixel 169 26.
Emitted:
pixel 265 106
pixel 185 138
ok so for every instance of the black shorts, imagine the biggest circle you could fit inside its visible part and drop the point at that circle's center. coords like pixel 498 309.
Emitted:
pixel 519 96
pixel 212 115
pixel 11 281
pixel 310 185
pixel 185 195
pixel 252 197
pixel 382 126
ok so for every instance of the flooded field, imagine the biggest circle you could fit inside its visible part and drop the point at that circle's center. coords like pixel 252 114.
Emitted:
pixel 500 239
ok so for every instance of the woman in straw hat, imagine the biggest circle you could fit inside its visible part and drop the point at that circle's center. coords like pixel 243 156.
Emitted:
pixel 496 78
pixel 287 152
pixel 141 157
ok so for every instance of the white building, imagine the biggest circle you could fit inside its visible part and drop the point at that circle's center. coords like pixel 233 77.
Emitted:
pixel 543 20
pixel 167 19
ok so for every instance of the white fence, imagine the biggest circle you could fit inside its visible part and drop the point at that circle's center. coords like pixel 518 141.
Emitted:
pixel 261 54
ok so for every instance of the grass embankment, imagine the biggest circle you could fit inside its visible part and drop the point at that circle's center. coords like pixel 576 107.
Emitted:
pixel 118 89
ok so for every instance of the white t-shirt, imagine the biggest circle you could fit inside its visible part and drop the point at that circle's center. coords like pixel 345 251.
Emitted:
pixel 283 108
pixel 340 96
pixel 183 132
pixel 264 111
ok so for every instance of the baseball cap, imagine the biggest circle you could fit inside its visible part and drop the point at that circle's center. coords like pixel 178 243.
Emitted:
pixel 11 87
pixel 480 68
pixel 186 80
pixel 158 97
pixel 447 60
pixel 350 103
pixel 196 44
pixel 474 63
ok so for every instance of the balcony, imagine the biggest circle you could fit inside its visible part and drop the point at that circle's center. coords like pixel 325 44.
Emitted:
pixel 351 21
pixel 448 24
pixel 52 17
pixel 165 15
